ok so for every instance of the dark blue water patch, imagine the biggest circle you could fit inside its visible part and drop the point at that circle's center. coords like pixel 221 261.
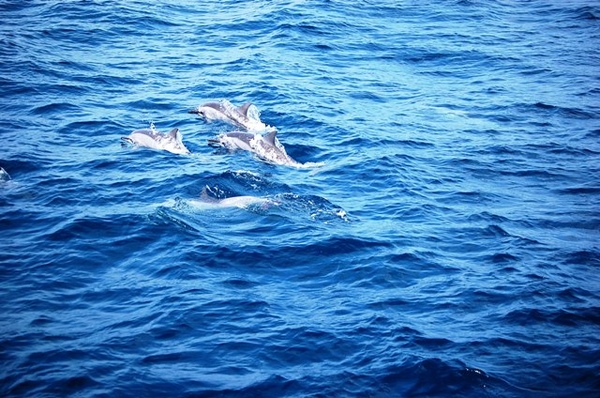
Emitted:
pixel 589 191
pixel 593 134
pixel 569 150
pixel 127 18
pixel 272 386
pixel 563 221
pixel 413 143
pixel 573 317
pixel 573 12
pixel 294 120
pixel 89 227
pixel 232 183
pixel 502 258
pixel 97 128
pixel 111 82
pixel 579 296
pixel 413 379
pixel 281 259
pixel 584 257
pixel 76 68
pixel 151 104
pixel 305 153
pixel 239 283
pixel 57 108
pixel 68 385
pixel 17 166
pixel 588 13
pixel 396 271
pixel 69 379
pixel 536 174
pixel 573 381
pixel 14 88
pixel 575 113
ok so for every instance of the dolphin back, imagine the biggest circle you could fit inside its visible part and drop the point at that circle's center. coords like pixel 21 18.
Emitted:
pixel 150 138
pixel 246 117
pixel 145 138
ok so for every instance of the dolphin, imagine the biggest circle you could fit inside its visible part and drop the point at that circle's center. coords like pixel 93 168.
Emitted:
pixel 243 202
pixel 150 138
pixel 244 117
pixel 267 147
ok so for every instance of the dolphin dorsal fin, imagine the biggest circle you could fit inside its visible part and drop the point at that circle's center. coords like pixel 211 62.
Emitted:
pixel 175 134
pixel 204 194
pixel 244 108
pixel 206 197
pixel 270 137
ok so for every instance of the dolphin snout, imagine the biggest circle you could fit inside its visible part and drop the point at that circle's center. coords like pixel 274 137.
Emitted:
pixel 194 111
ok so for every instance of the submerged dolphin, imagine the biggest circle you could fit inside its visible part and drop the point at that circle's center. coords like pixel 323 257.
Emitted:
pixel 267 147
pixel 245 117
pixel 150 138
pixel 243 202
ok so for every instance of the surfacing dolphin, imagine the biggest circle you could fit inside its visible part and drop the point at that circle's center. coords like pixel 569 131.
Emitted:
pixel 151 138
pixel 207 201
pixel 246 117
pixel 267 147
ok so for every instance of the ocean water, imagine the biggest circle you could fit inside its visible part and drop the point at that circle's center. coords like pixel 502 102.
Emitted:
pixel 446 241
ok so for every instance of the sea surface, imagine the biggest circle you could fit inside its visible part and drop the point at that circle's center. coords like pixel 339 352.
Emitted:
pixel 443 240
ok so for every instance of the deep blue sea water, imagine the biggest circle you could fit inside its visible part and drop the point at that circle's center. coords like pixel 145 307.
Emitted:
pixel 447 245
